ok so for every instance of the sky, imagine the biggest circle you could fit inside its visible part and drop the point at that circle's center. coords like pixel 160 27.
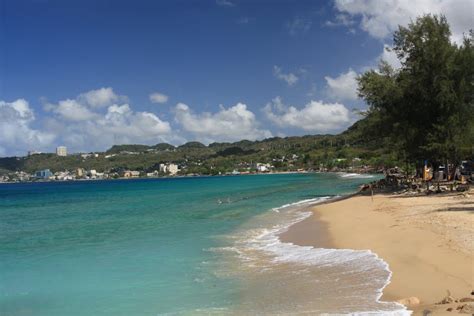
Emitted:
pixel 90 74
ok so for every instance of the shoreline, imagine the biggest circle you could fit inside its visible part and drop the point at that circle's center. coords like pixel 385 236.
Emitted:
pixel 426 241
pixel 286 278
pixel 186 176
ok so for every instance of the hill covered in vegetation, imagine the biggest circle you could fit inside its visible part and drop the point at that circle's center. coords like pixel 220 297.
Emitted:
pixel 289 153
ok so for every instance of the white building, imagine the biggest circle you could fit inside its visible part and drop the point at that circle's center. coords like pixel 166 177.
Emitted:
pixel 61 151
pixel 33 152
pixel 163 168
pixel 173 169
pixel 152 174
pixel 170 168
pixel 263 167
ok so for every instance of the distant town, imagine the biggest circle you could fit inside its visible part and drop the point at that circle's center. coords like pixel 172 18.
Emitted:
pixel 187 167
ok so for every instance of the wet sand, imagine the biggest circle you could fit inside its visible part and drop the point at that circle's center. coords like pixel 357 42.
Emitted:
pixel 428 241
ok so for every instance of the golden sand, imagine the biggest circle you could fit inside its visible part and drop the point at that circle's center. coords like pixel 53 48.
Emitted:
pixel 428 241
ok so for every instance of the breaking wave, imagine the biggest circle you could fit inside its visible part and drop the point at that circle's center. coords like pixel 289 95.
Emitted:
pixel 282 277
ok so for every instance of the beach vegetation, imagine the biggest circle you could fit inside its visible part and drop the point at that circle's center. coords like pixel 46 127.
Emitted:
pixel 424 110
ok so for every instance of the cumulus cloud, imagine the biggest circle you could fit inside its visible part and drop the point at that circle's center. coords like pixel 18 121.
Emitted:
pixel 99 98
pixel 17 133
pixel 157 97
pixel 228 124
pixel 121 120
pixel 344 86
pixel 290 78
pixel 72 110
pixel 316 116
pixel 389 56
pixel 381 18
pixel 85 123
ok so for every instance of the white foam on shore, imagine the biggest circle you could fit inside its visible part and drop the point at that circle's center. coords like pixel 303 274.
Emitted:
pixel 306 202
pixel 358 264
pixel 355 175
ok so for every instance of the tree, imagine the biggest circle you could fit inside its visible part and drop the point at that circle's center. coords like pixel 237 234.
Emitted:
pixel 426 107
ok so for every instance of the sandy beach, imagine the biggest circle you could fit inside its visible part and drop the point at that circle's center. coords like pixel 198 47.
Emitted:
pixel 428 242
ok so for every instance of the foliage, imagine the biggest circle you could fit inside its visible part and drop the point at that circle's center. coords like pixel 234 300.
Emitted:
pixel 425 109
pixel 312 151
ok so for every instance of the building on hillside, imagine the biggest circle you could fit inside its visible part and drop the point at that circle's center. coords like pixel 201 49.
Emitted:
pixel 152 174
pixel 163 168
pixel 64 176
pixel 33 152
pixel 263 167
pixel 79 172
pixel 173 169
pixel 92 174
pixel 43 174
pixel 131 174
pixel 170 168
pixel 61 151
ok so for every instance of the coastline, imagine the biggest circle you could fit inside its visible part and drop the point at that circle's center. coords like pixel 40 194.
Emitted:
pixel 426 240
pixel 174 177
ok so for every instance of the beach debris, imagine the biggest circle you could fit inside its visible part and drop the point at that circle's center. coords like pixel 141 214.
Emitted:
pixel 466 308
pixel 466 299
pixel 449 309
pixel 409 301
pixel 462 188
pixel 448 299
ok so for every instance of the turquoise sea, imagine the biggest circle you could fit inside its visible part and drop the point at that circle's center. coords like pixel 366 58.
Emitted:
pixel 161 246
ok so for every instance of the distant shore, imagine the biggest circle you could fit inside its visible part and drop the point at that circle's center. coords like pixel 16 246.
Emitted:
pixel 175 177
pixel 427 242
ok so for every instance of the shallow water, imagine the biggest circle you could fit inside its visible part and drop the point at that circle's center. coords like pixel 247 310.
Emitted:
pixel 283 278
pixel 174 246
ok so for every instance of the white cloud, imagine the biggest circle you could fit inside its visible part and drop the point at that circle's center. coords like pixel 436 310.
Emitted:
pixel 381 18
pixel 99 98
pixel 118 125
pixel 289 78
pixel 316 116
pixel 231 124
pixel 298 26
pixel 72 110
pixel 343 87
pixel 157 97
pixel 17 134
pixel 225 3
pixel 84 124
pixel 343 20
pixel 389 56
pixel 121 120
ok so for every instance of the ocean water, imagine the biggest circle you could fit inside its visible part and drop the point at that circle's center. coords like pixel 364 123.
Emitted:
pixel 182 246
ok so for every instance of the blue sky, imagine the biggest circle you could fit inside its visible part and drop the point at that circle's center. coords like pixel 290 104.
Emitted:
pixel 90 74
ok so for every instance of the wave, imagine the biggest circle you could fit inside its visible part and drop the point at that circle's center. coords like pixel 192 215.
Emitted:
pixel 352 279
pixel 306 202
pixel 355 175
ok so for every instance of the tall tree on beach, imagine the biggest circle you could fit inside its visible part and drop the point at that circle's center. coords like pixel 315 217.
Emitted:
pixel 426 107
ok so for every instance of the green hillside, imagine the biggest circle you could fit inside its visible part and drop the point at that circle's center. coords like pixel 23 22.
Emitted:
pixel 287 153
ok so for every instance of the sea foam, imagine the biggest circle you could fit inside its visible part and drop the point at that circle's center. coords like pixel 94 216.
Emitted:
pixel 356 277
pixel 355 175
